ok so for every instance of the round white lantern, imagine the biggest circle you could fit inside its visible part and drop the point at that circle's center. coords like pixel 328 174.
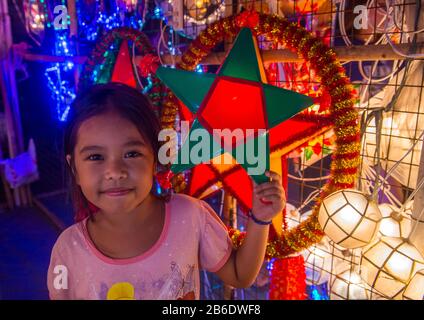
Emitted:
pixel 415 288
pixel 386 209
pixel 389 264
pixel 348 286
pixel 317 264
pixel 349 219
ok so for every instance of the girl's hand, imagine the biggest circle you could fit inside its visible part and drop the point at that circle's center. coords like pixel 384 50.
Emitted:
pixel 269 198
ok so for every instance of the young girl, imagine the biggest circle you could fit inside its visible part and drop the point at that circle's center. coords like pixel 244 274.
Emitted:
pixel 129 243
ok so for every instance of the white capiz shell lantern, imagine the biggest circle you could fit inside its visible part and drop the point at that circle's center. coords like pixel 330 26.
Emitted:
pixel 349 219
pixel 415 288
pixel 318 263
pixel 388 265
pixel 394 222
pixel 349 286
pixel 396 225
pixel 386 209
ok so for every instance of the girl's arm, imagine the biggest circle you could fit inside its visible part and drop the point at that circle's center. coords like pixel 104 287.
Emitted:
pixel 243 266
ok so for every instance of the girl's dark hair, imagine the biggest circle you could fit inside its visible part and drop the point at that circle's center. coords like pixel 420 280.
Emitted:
pixel 129 103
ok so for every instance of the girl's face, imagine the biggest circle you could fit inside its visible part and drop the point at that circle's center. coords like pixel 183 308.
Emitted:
pixel 114 164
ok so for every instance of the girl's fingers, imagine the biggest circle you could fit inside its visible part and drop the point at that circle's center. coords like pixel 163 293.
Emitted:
pixel 269 192
pixel 268 185
pixel 273 175
pixel 272 199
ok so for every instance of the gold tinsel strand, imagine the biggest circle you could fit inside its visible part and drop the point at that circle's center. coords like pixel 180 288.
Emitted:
pixel 342 105
pixel 346 163
pixel 345 178
pixel 349 116
pixel 349 148
pixel 346 131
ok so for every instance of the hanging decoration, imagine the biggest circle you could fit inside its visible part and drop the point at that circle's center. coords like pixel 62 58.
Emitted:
pixel 396 224
pixel 388 265
pixel 62 91
pixel 346 153
pixel 318 263
pixel 123 70
pixel 286 277
pixel 415 288
pixel 349 218
pixel 101 67
pixel 349 286
pixel 60 75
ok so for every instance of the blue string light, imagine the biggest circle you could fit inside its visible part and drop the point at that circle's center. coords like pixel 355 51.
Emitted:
pixel 270 265
pixel 62 92
pixel 318 292
pixel 117 15
pixel 158 13
pixel 149 85
pixel 199 68
pixel 62 89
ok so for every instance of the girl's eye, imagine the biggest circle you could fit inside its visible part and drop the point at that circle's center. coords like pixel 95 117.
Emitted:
pixel 94 157
pixel 132 154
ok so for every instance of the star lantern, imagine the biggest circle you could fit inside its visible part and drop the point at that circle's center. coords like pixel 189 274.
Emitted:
pixel 237 97
pixel 123 71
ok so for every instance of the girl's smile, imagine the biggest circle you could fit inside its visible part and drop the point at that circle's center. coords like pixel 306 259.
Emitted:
pixel 117 192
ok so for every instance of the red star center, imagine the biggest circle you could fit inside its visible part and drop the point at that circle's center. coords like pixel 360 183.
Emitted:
pixel 221 107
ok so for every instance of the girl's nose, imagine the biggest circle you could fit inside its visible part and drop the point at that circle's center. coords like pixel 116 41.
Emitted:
pixel 116 170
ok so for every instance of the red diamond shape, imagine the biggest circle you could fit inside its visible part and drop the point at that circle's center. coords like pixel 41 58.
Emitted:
pixel 230 104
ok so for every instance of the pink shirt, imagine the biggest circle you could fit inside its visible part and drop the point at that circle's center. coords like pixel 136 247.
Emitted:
pixel 193 236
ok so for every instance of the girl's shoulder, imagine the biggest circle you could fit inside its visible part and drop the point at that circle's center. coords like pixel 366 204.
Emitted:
pixel 180 199
pixel 185 205
pixel 70 237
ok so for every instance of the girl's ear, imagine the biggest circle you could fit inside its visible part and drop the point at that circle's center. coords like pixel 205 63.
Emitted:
pixel 68 160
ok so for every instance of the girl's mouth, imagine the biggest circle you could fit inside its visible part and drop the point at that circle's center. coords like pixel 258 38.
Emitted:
pixel 117 192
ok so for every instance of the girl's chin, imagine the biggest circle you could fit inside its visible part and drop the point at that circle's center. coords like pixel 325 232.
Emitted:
pixel 119 204
pixel 117 210
pixel 116 206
